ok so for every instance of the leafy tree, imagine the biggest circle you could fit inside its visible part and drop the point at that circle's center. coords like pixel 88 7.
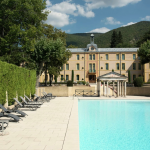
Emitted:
pixel 129 76
pixel 124 45
pixel 20 26
pixel 72 75
pixel 114 39
pixel 144 52
pixel 145 37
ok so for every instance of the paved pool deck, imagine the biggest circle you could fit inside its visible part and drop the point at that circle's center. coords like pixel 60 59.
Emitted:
pixel 54 126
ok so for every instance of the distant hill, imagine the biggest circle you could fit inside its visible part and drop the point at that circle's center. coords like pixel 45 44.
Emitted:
pixel 131 34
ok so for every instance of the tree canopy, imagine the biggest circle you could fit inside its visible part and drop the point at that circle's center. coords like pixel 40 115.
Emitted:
pixel 144 52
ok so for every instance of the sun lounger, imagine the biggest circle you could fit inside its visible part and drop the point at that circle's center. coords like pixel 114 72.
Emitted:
pixel 10 111
pixel 48 94
pixel 20 105
pixel 43 99
pixel 3 124
pixel 33 104
pixel 16 118
pixel 30 101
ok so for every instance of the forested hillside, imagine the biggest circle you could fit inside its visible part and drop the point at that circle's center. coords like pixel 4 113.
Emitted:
pixel 131 34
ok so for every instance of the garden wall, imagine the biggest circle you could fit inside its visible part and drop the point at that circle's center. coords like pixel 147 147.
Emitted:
pixel 138 91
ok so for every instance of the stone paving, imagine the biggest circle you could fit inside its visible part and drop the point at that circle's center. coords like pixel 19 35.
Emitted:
pixel 54 126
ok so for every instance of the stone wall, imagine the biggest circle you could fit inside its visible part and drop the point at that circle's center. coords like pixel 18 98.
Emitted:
pixel 138 91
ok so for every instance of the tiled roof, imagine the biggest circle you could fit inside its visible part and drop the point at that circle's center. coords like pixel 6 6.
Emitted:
pixel 73 50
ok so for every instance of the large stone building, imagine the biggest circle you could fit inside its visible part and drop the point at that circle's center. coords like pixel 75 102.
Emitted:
pixel 90 62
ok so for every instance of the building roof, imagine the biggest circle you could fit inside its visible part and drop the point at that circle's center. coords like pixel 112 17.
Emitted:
pixel 103 50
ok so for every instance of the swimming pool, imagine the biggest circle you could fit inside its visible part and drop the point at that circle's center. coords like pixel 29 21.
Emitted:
pixel 114 124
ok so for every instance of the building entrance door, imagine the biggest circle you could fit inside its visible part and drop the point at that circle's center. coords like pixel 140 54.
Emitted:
pixel 92 78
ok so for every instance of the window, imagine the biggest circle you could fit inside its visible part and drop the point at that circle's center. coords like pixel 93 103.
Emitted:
pixel 123 56
pixel 77 77
pixel 67 66
pixel 93 67
pixel 107 66
pixel 67 58
pixel 117 56
pixel 67 77
pixel 134 76
pixel 90 57
pixel 139 58
pixel 62 77
pixel 123 66
pixel 139 66
pixel 93 56
pixel 117 66
pixel 77 66
pixel 134 66
pixel 78 57
pixel 106 56
pixel 134 56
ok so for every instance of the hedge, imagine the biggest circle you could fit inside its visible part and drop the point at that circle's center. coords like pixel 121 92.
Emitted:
pixel 15 79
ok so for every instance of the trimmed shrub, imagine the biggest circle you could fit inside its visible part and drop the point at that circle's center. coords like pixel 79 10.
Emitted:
pixel 69 83
pixel 112 70
pixel 15 79
pixel 138 82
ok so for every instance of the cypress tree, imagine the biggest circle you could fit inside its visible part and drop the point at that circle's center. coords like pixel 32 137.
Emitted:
pixel 129 77
pixel 114 39
pixel 72 75
pixel 120 39
pixel 55 79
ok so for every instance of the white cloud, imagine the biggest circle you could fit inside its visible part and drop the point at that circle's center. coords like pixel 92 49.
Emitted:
pixel 111 20
pixel 67 31
pixel 100 30
pixel 128 24
pixel 95 4
pixel 147 18
pixel 61 13
pixel 58 19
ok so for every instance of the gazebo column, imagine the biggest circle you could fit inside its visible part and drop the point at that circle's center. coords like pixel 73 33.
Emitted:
pixel 122 89
pixel 117 88
pixel 113 89
pixel 107 90
pixel 100 88
pixel 125 89
pixel 103 88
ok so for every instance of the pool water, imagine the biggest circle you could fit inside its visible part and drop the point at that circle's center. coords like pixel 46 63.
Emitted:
pixel 114 124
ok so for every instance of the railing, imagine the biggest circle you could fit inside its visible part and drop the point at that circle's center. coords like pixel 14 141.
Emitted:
pixel 92 71
pixel 86 93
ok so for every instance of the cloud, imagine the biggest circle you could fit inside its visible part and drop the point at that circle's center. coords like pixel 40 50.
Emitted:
pixel 111 20
pixel 128 24
pixel 147 18
pixel 61 13
pixel 96 4
pixel 99 30
pixel 58 19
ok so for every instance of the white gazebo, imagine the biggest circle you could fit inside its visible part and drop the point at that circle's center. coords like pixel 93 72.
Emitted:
pixel 112 77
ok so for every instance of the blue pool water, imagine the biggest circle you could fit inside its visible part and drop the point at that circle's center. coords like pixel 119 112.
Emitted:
pixel 114 125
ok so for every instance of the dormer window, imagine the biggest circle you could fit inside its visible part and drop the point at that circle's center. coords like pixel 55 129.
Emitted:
pixel 92 48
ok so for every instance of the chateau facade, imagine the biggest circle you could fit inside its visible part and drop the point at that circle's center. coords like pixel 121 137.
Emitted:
pixel 92 62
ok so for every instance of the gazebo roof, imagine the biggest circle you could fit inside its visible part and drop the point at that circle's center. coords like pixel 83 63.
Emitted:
pixel 112 76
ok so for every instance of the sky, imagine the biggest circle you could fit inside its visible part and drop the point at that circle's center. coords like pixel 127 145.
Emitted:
pixel 101 16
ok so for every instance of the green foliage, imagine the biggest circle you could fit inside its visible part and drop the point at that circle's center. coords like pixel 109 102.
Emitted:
pixel 114 39
pixel 20 26
pixel 72 46
pixel 138 82
pixel 129 76
pixel 131 34
pixel 144 52
pixel 55 79
pixel 14 79
pixel 72 76
pixel 81 82
pixel 69 83
pixel 112 70
pixel 143 39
